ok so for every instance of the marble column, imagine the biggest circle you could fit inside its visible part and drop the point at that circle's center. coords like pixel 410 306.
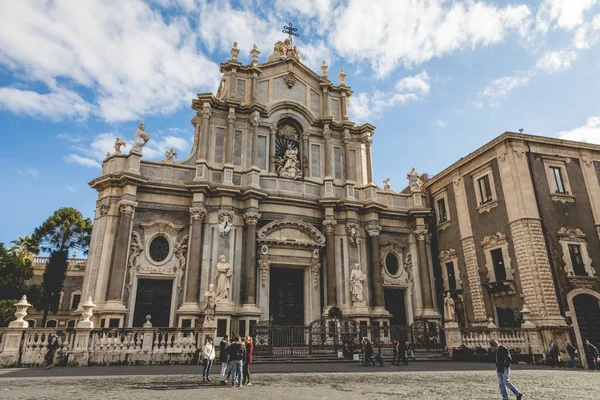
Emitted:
pixel 255 121
pixel 329 225
pixel 375 264
pixel 367 142
pixel 347 162
pixel 305 151
pixel 119 263
pixel 249 295
pixel 204 134
pixel 272 142
pixel 192 283
pixel 421 235
pixel 328 151
pixel 228 143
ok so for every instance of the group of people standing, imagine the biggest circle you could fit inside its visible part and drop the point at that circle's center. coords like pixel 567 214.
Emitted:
pixel 590 352
pixel 402 350
pixel 235 357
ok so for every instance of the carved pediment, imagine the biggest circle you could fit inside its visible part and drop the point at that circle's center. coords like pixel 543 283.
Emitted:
pixel 291 232
pixel 573 234
pixel 161 226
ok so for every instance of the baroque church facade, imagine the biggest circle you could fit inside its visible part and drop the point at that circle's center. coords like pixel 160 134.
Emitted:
pixel 274 216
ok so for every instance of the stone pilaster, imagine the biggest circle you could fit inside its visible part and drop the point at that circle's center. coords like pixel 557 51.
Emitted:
pixel 535 273
pixel 249 294
pixel 328 180
pixel 474 281
pixel 117 270
pixel 272 140
pixel 329 226
pixel 305 151
pixel 255 122
pixel 375 268
pixel 367 142
pixel 206 114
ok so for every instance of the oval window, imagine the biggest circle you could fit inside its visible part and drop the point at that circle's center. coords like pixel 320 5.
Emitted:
pixel 391 263
pixel 159 249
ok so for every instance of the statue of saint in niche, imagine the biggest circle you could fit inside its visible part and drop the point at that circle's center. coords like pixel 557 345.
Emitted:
pixel 357 280
pixel 223 278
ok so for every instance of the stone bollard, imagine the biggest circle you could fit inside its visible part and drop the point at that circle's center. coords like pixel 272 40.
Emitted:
pixel 81 349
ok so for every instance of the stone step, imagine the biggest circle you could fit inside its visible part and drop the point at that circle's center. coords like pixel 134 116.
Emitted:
pixel 332 358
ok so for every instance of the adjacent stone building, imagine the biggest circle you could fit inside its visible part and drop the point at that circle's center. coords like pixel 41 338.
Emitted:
pixel 517 231
pixel 273 216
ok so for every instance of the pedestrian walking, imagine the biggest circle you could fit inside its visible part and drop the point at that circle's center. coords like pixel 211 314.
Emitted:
pixel 409 351
pixel 248 360
pixel 378 356
pixel 396 356
pixel 591 355
pixel 224 358
pixel 368 352
pixel 404 352
pixel 53 345
pixel 572 354
pixel 503 360
pixel 208 356
pixel 236 357
pixel 554 354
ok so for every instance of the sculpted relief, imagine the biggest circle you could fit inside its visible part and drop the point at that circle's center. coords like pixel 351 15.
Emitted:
pixel 224 275
pixel 287 158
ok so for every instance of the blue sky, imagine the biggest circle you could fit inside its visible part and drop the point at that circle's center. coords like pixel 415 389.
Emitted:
pixel 437 78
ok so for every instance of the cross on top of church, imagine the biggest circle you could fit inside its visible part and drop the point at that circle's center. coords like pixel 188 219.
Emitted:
pixel 290 30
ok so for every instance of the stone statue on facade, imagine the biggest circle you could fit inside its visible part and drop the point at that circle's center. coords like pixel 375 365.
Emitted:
pixel 140 140
pixel 223 279
pixel 222 91
pixel 357 280
pixel 283 50
pixel 386 184
pixel 225 221
pixel 449 310
pixel 353 237
pixel 170 155
pixel 118 144
pixel 289 165
pixel 210 304
pixel 414 181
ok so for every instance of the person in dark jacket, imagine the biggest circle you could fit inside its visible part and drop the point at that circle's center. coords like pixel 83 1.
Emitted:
pixel 591 355
pixel 404 352
pixel 503 360
pixel 396 357
pixel 53 345
pixel 236 357
pixel 572 353
pixel 554 354
pixel 224 357
pixel 368 352
pixel 378 356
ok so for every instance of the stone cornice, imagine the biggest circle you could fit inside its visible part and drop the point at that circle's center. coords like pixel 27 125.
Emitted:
pixel 122 179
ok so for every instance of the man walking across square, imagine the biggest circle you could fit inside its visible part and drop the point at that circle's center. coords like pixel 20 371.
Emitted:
pixel 503 360
pixel 224 358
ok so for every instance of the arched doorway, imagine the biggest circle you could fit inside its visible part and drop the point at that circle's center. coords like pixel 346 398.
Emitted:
pixel 587 312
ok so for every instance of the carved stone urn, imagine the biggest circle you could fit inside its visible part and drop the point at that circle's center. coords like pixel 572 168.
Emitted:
pixel 21 313
pixel 86 314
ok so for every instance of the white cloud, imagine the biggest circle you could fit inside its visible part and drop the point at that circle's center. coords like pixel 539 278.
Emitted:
pixel 85 161
pixel 56 105
pixel 589 133
pixel 69 137
pixel 412 88
pixel 500 87
pixel 412 32
pixel 440 123
pixel 129 56
pixel 564 14
pixel 72 189
pixel 556 60
pixel 34 173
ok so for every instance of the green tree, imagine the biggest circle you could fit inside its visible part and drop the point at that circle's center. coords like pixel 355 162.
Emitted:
pixel 65 230
pixel 26 247
pixel 14 272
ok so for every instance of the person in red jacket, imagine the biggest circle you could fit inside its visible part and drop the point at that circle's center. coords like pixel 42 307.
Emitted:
pixel 248 360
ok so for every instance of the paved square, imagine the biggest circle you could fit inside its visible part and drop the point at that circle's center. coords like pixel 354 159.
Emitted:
pixel 419 381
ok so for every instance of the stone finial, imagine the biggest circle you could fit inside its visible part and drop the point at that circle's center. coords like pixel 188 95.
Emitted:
pixel 21 313
pixel 86 314
pixel 342 77
pixel 324 69
pixel 491 324
pixel 234 52
pixel 148 324
pixel 254 53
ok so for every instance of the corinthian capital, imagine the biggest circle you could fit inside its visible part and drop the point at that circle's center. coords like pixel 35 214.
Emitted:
pixel 329 225
pixel 198 213
pixel 231 117
pixel 373 229
pixel 251 218
pixel 326 132
pixel 421 234
pixel 127 206
pixel 255 120
pixel 206 111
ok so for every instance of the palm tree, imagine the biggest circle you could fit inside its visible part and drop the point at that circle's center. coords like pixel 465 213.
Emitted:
pixel 25 247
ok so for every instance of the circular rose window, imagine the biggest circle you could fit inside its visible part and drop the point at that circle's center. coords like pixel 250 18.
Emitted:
pixel 159 249
pixel 391 264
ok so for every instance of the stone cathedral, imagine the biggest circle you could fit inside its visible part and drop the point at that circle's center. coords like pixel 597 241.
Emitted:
pixel 274 216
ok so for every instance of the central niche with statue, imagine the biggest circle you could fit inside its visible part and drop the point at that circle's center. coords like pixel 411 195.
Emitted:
pixel 287 152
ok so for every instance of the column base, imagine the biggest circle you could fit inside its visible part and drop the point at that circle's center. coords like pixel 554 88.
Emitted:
pixel 225 308
pixel 249 310
pixel 228 174
pixel 359 310
pixel 430 313
pixel 380 312
pixel 189 309
pixel 113 307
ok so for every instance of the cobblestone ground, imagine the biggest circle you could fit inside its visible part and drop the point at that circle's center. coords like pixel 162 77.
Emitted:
pixel 535 384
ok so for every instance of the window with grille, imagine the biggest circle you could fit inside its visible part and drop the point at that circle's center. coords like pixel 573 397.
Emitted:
pixel 557 180
pixel 577 260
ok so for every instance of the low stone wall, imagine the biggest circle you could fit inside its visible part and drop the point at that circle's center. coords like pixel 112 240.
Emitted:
pixel 27 347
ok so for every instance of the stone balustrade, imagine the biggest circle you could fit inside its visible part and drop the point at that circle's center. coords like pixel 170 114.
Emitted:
pixel 126 346
pixel 75 264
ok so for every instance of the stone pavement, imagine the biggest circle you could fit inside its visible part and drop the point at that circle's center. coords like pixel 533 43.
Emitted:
pixel 418 381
